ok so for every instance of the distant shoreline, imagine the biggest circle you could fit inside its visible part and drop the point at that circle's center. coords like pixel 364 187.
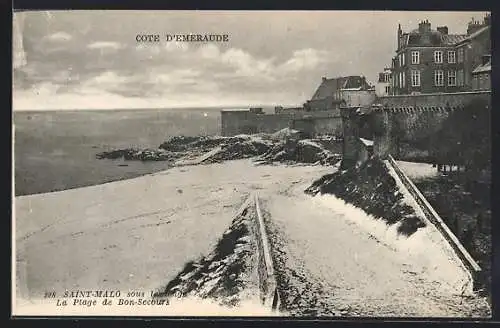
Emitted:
pixel 56 150
pixel 139 109
pixel 111 109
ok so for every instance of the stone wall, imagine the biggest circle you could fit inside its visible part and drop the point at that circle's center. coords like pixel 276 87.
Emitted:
pixel 410 127
pixel 237 122
pixel 331 125
pixel 412 121
pixel 432 100
pixel 271 123
pixel 245 122
pixel 351 146
pixel 288 110
pixel 355 98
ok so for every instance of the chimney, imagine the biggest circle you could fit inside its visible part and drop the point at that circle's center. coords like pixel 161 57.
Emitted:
pixel 473 26
pixel 443 29
pixel 424 26
pixel 487 20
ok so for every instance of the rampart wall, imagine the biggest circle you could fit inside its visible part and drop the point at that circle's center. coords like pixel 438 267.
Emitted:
pixel 406 126
pixel 246 122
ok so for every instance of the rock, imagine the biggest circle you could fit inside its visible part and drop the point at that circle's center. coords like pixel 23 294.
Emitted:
pixel 295 149
pixel 213 265
pixel 130 154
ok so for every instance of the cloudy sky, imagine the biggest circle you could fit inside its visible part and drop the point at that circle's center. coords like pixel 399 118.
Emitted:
pixel 90 59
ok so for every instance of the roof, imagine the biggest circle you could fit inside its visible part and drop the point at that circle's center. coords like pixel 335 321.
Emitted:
pixel 329 86
pixel 451 39
pixel 433 38
pixel 478 32
pixel 475 34
pixel 483 68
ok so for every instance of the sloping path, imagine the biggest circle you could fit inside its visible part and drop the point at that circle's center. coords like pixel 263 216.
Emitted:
pixel 329 266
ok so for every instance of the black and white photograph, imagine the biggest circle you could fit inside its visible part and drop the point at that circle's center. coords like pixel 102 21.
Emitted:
pixel 298 164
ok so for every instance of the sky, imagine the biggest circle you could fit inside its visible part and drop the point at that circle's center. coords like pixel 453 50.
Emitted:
pixel 91 59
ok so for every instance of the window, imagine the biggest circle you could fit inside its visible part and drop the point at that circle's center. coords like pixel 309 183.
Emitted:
pixel 452 78
pixel 452 57
pixel 460 55
pixel 438 78
pixel 403 56
pixel 415 57
pixel 387 88
pixel 460 78
pixel 415 78
pixel 438 57
pixel 402 79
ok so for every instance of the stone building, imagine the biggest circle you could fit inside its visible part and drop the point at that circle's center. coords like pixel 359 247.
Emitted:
pixel 431 61
pixel 476 49
pixel 350 91
pixel 481 75
pixel 383 86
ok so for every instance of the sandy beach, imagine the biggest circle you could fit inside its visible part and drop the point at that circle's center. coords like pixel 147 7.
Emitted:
pixel 97 237
pixel 138 234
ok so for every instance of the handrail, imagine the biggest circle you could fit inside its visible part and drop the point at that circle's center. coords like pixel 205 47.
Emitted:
pixel 469 263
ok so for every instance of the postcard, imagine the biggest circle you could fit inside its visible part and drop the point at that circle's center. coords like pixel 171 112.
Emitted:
pixel 319 164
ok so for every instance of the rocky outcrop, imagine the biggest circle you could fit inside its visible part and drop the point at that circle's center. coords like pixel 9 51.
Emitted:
pixel 240 148
pixel 283 146
pixel 300 151
pixel 186 143
pixel 132 154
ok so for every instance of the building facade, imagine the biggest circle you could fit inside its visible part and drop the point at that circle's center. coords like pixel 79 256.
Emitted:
pixel 476 49
pixel 338 92
pixel 384 84
pixel 481 75
pixel 434 61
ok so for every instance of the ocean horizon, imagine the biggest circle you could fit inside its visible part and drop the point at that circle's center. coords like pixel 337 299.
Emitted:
pixel 55 150
pixel 266 108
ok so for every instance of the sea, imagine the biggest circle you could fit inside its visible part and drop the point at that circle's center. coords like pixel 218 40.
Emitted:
pixel 56 150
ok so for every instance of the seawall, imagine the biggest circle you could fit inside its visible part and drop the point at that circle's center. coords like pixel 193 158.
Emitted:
pixel 413 126
pixel 234 122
